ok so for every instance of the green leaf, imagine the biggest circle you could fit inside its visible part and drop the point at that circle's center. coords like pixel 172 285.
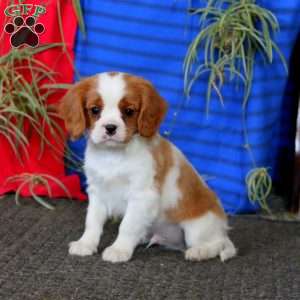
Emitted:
pixel 79 14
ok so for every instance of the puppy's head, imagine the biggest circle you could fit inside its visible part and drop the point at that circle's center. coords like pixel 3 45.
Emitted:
pixel 113 107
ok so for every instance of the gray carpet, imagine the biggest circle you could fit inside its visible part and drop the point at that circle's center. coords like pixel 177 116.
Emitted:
pixel 34 263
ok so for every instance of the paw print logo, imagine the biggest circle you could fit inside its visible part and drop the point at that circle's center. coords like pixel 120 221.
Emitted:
pixel 24 32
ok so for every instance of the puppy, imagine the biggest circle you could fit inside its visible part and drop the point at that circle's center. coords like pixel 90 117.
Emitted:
pixel 134 173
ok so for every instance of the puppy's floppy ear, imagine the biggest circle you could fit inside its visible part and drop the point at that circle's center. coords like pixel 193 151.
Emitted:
pixel 72 108
pixel 153 110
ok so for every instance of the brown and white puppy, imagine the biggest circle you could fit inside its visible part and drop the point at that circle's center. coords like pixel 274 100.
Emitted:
pixel 135 173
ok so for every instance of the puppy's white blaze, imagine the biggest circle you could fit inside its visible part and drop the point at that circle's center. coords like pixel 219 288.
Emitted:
pixel 111 88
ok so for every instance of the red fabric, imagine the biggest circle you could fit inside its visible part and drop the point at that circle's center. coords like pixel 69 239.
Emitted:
pixel 49 163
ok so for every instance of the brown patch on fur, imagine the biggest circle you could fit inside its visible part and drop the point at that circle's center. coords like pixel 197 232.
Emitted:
pixel 113 73
pixel 152 107
pixel 197 199
pixel 163 157
pixel 131 121
pixel 93 99
pixel 72 107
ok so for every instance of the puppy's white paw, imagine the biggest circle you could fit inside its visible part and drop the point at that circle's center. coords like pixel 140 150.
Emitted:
pixel 116 255
pixel 200 253
pixel 82 248
pixel 194 254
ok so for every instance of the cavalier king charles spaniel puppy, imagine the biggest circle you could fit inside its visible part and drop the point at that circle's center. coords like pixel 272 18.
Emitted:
pixel 135 173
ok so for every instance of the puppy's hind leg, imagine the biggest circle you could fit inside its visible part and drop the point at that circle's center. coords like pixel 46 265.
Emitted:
pixel 206 237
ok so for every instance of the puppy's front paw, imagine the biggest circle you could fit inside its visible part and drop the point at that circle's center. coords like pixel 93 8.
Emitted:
pixel 116 255
pixel 82 248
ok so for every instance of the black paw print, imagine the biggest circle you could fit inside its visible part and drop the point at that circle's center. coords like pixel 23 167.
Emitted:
pixel 24 32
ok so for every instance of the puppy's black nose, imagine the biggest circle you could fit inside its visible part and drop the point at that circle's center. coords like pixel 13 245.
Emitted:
pixel 110 129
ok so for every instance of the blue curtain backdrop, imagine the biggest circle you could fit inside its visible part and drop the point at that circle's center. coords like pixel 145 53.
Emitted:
pixel 150 38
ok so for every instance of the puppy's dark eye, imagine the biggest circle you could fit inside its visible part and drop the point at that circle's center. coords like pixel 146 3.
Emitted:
pixel 129 112
pixel 95 110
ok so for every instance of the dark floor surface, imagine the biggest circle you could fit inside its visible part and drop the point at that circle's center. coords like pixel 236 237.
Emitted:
pixel 34 261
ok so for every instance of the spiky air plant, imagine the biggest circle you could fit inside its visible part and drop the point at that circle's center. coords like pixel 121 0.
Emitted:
pixel 32 181
pixel 25 85
pixel 79 15
pixel 259 184
pixel 23 98
pixel 232 33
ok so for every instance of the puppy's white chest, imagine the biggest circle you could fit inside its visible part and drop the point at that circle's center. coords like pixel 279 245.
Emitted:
pixel 105 166
pixel 133 165
pixel 108 184
pixel 117 176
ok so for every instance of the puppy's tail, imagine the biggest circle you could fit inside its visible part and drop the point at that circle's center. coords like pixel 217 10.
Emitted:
pixel 228 251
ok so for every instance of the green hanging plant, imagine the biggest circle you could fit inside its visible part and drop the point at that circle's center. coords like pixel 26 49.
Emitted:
pixel 231 33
